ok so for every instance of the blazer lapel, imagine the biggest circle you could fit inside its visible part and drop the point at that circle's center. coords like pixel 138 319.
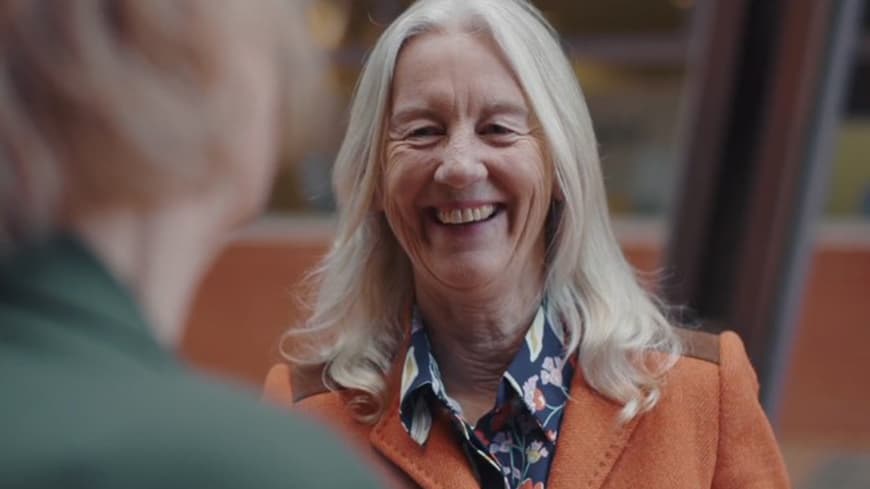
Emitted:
pixel 439 463
pixel 590 439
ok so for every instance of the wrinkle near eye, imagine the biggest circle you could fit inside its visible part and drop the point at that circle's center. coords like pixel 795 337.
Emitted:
pixel 395 150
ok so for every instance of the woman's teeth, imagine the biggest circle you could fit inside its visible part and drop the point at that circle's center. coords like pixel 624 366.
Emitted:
pixel 466 215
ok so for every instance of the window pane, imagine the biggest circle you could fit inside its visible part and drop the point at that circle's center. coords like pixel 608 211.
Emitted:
pixel 849 195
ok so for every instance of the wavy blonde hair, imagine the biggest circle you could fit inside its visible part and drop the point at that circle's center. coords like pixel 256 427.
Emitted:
pixel 363 285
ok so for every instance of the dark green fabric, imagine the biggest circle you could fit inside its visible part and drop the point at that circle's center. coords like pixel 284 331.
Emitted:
pixel 89 399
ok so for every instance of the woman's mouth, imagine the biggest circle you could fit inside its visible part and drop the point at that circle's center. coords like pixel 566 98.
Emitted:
pixel 465 215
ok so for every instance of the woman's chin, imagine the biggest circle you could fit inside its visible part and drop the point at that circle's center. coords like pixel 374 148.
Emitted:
pixel 468 279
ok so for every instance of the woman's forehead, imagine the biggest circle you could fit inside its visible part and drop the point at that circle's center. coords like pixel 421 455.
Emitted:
pixel 441 69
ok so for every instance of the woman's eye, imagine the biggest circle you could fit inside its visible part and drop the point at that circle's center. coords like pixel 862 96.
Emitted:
pixel 423 132
pixel 497 130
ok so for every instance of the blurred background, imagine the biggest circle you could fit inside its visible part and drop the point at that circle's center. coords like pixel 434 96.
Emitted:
pixel 735 137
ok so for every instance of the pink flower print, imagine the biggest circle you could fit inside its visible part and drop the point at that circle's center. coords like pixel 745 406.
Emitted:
pixel 539 400
pixel 529 388
pixel 536 451
pixel 552 372
pixel 551 435
pixel 528 484
pixel 481 435
pixel 501 443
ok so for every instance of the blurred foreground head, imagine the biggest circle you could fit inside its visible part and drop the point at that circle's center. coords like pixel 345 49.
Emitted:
pixel 132 105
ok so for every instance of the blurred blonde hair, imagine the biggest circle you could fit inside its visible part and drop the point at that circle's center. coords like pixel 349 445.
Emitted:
pixel 124 102
pixel 364 283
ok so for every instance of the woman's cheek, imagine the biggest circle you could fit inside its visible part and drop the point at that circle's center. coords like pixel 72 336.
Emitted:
pixel 398 202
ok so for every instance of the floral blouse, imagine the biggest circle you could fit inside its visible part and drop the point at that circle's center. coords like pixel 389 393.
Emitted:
pixel 512 445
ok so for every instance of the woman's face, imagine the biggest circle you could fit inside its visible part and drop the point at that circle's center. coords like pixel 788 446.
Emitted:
pixel 466 188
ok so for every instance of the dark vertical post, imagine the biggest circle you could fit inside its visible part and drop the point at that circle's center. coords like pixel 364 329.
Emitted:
pixel 742 213
pixel 714 63
pixel 815 168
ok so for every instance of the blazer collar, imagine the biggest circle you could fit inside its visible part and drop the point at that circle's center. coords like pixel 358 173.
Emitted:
pixel 440 462
pixel 590 441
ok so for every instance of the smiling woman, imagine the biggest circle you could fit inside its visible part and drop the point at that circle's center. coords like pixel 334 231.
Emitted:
pixel 475 322
pixel 466 188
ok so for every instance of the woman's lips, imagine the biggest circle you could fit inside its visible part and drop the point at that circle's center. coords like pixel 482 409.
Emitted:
pixel 465 215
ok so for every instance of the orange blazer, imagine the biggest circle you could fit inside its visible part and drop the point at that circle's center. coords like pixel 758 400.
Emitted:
pixel 707 431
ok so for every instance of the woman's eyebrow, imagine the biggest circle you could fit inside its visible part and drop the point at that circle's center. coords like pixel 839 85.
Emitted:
pixel 505 108
pixel 413 112
pixel 410 113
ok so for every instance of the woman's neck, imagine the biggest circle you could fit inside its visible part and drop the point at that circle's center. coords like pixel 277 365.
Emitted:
pixel 160 256
pixel 475 339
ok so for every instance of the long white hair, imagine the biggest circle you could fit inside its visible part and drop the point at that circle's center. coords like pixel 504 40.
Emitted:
pixel 363 285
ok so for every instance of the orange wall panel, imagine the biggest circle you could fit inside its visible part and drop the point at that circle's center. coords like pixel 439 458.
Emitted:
pixel 827 390
pixel 246 301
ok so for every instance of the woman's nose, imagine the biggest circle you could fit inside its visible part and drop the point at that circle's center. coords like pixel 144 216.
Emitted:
pixel 460 164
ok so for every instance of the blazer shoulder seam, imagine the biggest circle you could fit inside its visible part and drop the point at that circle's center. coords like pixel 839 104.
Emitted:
pixel 698 344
